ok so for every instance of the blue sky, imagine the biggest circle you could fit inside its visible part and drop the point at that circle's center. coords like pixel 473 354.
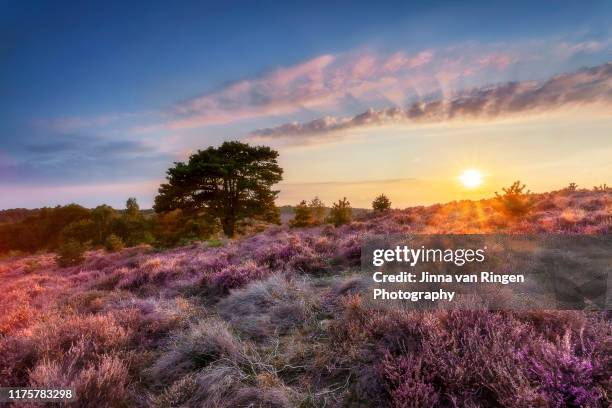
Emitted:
pixel 101 97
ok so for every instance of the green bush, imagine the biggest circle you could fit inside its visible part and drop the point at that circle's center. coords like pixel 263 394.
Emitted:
pixel 381 203
pixel 302 216
pixel 340 213
pixel 317 209
pixel 113 243
pixel 515 201
pixel 70 253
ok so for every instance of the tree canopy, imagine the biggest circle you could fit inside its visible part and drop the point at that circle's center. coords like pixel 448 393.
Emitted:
pixel 230 182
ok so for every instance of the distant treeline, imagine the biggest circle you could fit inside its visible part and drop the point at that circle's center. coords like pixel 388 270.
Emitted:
pixel 49 228
pixel 16 214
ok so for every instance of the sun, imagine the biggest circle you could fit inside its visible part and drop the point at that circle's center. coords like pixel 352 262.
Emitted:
pixel 471 178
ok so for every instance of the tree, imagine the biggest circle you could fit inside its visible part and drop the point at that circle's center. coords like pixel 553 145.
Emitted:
pixel 70 253
pixel 381 203
pixel 231 182
pixel 82 231
pixel 302 217
pixel 340 213
pixel 133 226
pixel 515 201
pixel 317 209
pixel 113 243
pixel 102 217
pixel 132 209
pixel 572 187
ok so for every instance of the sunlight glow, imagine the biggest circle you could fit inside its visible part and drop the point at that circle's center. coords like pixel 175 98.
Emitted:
pixel 471 178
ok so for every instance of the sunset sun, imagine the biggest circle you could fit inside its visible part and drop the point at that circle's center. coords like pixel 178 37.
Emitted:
pixel 471 178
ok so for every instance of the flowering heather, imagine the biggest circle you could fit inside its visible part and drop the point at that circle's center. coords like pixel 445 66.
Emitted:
pixel 275 320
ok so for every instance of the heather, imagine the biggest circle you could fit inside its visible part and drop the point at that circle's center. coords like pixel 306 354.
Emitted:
pixel 275 319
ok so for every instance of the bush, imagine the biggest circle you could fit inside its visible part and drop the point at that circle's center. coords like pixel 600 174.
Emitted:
pixel 340 213
pixel 113 243
pixel 70 253
pixel 235 276
pixel 515 201
pixel 317 209
pixel 302 217
pixel 381 203
pixel 571 188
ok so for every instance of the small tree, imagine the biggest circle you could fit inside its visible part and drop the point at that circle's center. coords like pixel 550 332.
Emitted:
pixel 302 216
pixel 340 213
pixel 132 209
pixel 571 187
pixel 132 227
pixel 113 243
pixel 317 209
pixel 601 187
pixel 515 201
pixel 381 203
pixel 82 231
pixel 102 217
pixel 70 253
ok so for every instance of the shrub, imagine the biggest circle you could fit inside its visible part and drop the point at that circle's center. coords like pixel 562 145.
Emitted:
pixel 317 208
pixel 70 253
pixel 235 276
pixel 340 213
pixel 302 217
pixel 381 203
pixel 601 187
pixel 198 347
pixel 81 231
pixel 101 384
pixel 571 188
pixel 515 201
pixel 113 243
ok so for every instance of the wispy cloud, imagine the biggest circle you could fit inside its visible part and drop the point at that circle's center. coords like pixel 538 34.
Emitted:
pixel 587 85
pixel 325 81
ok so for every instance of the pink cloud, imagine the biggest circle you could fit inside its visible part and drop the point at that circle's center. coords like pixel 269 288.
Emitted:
pixel 323 82
pixel 499 61
pixel 400 61
pixel 588 85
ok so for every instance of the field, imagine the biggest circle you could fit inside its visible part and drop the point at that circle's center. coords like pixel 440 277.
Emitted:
pixel 275 320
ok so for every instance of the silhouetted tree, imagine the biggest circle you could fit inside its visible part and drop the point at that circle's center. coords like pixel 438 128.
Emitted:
pixel 340 213
pixel 515 200
pixel 230 182
pixel 381 203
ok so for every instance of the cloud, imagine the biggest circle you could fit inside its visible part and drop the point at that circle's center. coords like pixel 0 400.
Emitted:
pixel 586 85
pixel 81 159
pixel 325 81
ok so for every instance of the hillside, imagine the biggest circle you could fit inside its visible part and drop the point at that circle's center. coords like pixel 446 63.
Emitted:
pixel 275 320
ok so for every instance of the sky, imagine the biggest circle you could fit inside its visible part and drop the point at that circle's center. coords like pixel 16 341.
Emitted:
pixel 359 98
